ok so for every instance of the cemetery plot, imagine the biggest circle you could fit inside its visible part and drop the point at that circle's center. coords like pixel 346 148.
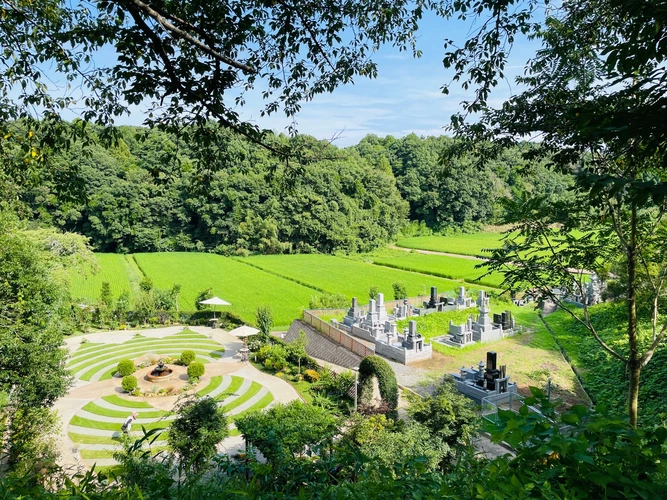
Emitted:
pixel 440 265
pixel 95 429
pixel 351 278
pixel 93 362
pixel 244 286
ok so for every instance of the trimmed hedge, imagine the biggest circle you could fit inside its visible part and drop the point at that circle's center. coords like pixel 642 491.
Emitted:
pixel 129 383
pixel 196 369
pixel 126 367
pixel 375 366
pixel 187 357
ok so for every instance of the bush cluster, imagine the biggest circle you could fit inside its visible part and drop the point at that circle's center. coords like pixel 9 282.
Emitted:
pixel 375 366
pixel 129 383
pixel 311 376
pixel 273 357
pixel 196 369
pixel 187 357
pixel 126 367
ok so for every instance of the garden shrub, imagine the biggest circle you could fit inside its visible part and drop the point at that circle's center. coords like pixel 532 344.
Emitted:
pixel 129 383
pixel 126 367
pixel 196 369
pixel 375 366
pixel 187 357
pixel 311 375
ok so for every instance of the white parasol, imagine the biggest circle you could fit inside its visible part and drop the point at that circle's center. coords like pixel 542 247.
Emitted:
pixel 215 301
pixel 244 331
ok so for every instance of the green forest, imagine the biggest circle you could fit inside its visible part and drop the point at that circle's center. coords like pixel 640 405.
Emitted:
pixel 154 191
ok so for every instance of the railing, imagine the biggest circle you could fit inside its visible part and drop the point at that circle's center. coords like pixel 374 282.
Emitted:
pixel 338 336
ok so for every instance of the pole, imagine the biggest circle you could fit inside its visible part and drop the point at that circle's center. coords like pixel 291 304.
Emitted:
pixel 549 389
pixel 356 386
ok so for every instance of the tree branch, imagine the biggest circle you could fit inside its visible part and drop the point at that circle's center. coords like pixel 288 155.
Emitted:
pixel 176 32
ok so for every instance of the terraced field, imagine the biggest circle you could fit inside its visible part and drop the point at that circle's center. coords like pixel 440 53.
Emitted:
pixel 349 277
pixel 244 286
pixel 118 270
pixel 462 244
pixel 93 362
pixel 440 265
pixel 95 429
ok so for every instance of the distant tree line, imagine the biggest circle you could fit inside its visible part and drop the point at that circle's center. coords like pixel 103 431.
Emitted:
pixel 154 191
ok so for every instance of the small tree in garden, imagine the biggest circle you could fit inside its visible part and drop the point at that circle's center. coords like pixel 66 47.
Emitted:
pixel 106 297
pixel 400 290
pixel 373 292
pixel 175 290
pixel 203 295
pixel 187 357
pixel 196 369
pixel 194 435
pixel 146 284
pixel 129 383
pixel 126 367
pixel 264 318
pixel 288 430
pixel 122 306
pixel 297 349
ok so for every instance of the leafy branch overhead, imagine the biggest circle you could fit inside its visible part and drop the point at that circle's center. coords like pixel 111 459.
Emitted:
pixel 189 61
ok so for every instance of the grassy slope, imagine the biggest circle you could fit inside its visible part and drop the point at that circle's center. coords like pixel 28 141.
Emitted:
pixel 349 277
pixel 603 375
pixel 114 268
pixel 244 286
pixel 437 265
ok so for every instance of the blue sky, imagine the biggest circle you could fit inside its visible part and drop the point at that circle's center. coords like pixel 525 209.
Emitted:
pixel 405 98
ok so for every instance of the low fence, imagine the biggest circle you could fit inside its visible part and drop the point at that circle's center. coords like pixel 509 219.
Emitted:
pixel 338 336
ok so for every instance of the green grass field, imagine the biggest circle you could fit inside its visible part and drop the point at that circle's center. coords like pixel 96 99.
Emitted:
pixel 438 265
pixel 244 286
pixel 116 269
pixel 462 244
pixel 349 277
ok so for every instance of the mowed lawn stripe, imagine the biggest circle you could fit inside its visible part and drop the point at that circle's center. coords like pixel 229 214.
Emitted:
pixel 113 426
pixel 213 384
pixel 259 405
pixel 90 439
pixel 244 286
pixel 145 343
pixel 231 390
pixel 83 361
pixel 106 412
pixel 88 370
pixel 254 388
pixel 349 277
pixel 105 372
pixel 126 403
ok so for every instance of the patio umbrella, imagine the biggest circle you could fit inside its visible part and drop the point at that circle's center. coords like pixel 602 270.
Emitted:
pixel 244 331
pixel 215 301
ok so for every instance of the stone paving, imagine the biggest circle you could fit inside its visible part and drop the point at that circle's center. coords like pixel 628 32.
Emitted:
pixel 94 409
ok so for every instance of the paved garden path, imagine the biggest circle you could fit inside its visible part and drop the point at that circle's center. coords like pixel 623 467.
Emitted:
pixel 95 408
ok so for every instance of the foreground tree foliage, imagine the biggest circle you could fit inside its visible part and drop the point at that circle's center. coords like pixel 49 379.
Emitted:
pixel 595 98
pixel 596 456
pixel 34 315
pixel 197 430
